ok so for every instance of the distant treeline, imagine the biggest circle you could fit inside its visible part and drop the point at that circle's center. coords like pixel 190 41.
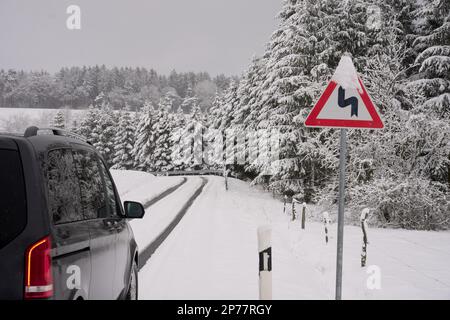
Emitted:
pixel 78 87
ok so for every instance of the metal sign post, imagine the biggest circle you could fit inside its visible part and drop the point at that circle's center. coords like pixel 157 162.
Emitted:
pixel 340 238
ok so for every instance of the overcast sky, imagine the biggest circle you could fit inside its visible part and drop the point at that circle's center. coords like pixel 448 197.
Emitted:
pixel 218 36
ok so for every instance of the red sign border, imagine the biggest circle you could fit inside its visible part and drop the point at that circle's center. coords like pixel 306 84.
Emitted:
pixel 312 121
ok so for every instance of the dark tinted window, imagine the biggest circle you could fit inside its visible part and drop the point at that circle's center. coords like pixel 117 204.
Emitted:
pixel 13 206
pixel 93 192
pixel 110 194
pixel 63 190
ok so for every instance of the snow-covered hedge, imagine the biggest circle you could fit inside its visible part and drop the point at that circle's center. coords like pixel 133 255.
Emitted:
pixel 412 203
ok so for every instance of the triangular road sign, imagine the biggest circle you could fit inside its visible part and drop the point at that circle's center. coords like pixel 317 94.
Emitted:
pixel 345 102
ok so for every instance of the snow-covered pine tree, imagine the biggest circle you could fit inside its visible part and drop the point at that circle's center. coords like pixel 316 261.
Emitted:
pixel 431 24
pixel 162 127
pixel 100 100
pixel 189 152
pixel 297 58
pixel 143 148
pixel 59 120
pixel 214 137
pixel 247 91
pixel 176 139
pixel 190 101
pixel 167 102
pixel 124 142
pixel 104 133
pixel 246 113
pixel 221 132
pixel 89 123
pixel 215 112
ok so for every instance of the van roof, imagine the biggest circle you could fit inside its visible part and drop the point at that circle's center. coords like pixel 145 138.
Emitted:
pixel 48 138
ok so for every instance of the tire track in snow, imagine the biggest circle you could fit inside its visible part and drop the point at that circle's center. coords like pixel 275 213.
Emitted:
pixel 152 247
pixel 163 194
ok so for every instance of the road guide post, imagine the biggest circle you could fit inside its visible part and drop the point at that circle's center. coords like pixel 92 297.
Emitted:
pixel 363 218
pixel 326 222
pixel 303 215
pixel 265 262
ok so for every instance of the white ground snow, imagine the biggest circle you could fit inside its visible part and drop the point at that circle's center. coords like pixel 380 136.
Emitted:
pixel 18 119
pixel 212 254
pixel 158 216
pixel 141 186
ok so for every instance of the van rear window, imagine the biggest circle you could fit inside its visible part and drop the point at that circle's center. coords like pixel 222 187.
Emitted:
pixel 13 204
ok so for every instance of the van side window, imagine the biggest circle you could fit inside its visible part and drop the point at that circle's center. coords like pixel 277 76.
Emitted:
pixel 13 199
pixel 110 194
pixel 91 184
pixel 63 191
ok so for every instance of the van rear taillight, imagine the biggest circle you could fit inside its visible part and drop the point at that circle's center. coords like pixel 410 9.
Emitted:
pixel 38 270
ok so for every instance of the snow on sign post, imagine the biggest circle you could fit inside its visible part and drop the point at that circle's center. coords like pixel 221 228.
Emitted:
pixel 345 103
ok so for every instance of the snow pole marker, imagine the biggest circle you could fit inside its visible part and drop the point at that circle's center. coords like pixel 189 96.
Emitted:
pixel 284 207
pixel 225 175
pixel 293 209
pixel 303 215
pixel 364 227
pixel 326 221
pixel 265 262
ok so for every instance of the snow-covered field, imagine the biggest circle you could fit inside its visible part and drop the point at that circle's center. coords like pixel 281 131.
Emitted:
pixel 212 253
pixel 18 119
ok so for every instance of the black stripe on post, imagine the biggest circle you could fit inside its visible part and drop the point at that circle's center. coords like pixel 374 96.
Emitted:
pixel 265 260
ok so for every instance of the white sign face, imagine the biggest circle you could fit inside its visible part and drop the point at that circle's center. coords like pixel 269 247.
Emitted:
pixel 332 110
pixel 345 102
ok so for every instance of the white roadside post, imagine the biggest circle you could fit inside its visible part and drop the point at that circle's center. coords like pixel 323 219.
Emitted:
pixel 345 103
pixel 326 222
pixel 265 262
pixel 364 227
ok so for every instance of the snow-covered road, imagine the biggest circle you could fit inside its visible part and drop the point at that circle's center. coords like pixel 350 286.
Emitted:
pixel 212 252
